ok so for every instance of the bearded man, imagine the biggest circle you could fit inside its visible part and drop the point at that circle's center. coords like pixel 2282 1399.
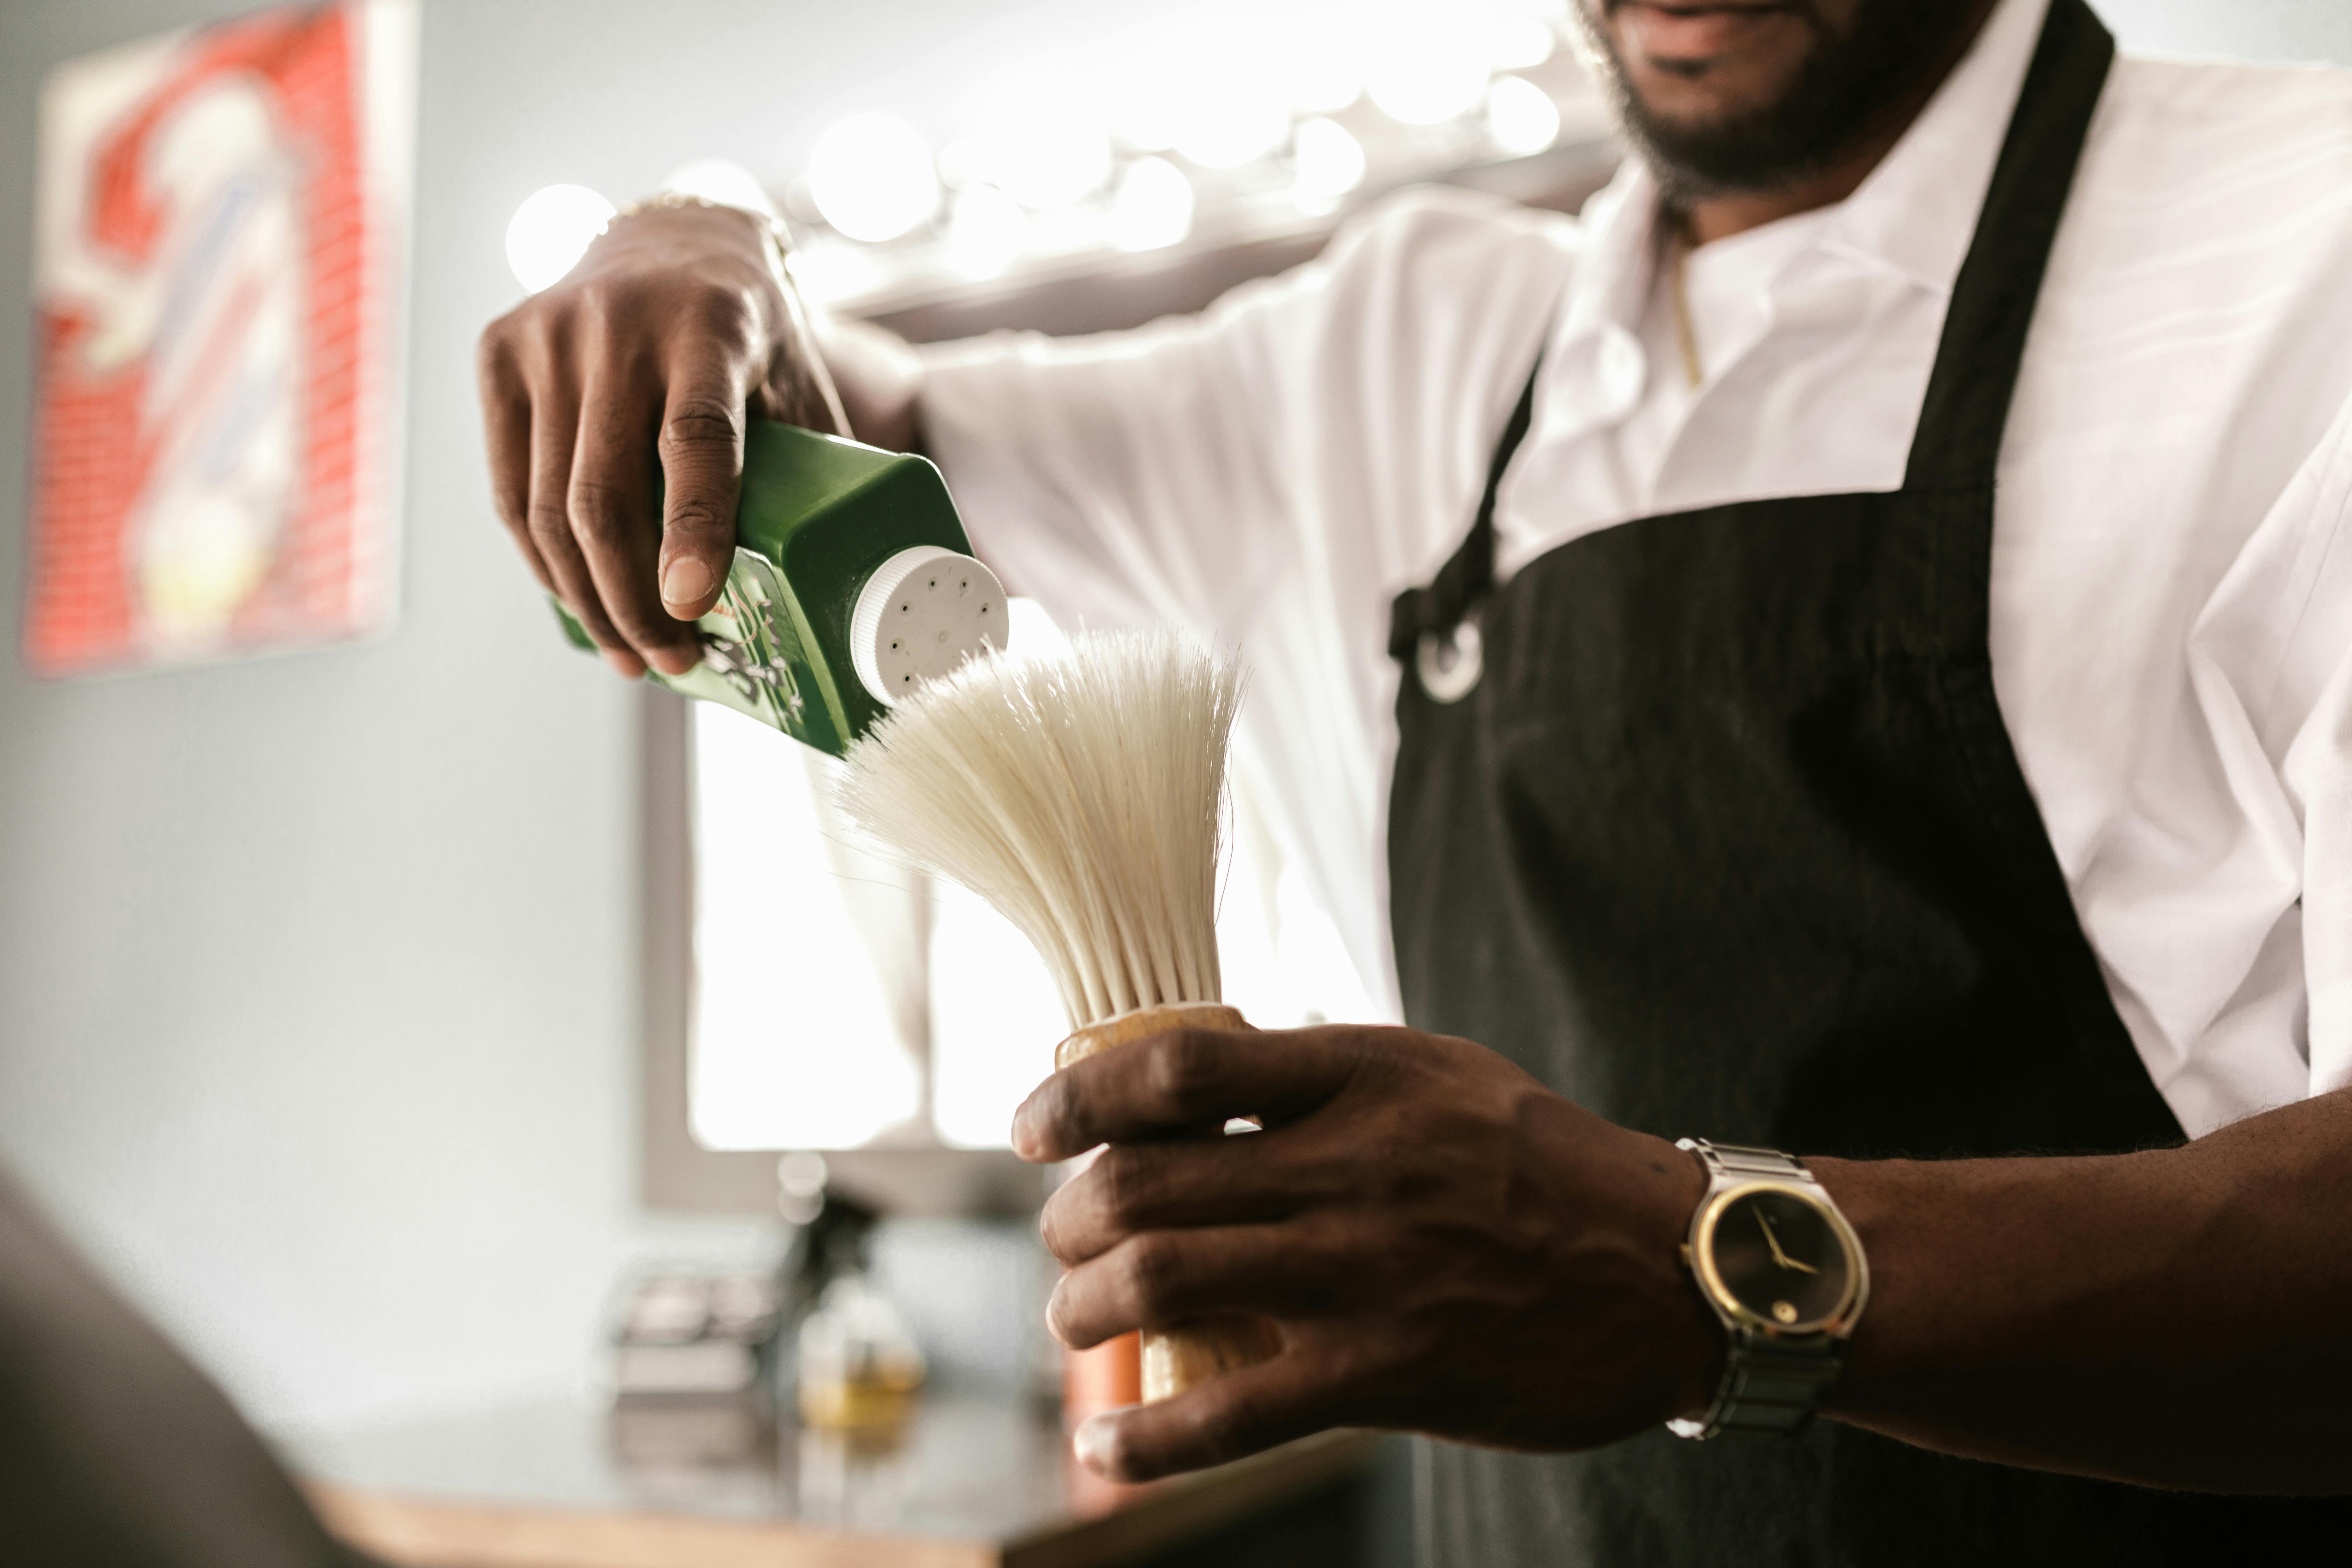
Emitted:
pixel 1841 656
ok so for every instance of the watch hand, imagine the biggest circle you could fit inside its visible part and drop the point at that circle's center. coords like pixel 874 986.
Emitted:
pixel 1773 1241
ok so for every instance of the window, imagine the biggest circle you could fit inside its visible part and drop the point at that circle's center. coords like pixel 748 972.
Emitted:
pixel 841 1001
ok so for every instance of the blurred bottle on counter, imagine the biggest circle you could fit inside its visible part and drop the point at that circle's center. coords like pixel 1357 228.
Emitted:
pixel 856 1368
pixel 859 1367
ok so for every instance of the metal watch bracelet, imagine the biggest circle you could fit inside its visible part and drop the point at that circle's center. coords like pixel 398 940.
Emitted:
pixel 1770 1384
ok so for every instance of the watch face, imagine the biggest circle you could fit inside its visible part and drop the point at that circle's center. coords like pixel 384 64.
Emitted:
pixel 1782 1258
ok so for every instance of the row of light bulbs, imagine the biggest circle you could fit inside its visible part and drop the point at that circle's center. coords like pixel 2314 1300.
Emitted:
pixel 874 179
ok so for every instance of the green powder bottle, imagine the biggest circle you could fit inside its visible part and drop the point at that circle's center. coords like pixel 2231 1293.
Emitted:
pixel 853 582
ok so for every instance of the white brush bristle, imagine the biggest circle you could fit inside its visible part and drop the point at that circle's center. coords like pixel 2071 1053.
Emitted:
pixel 1079 796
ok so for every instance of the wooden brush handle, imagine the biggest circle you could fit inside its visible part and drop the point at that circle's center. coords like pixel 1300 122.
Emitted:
pixel 1142 1024
pixel 1186 1354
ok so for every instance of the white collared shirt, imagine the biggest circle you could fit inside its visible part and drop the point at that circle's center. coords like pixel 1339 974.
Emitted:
pixel 2171 615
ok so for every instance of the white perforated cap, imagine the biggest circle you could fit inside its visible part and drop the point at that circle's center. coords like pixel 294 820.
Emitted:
pixel 923 612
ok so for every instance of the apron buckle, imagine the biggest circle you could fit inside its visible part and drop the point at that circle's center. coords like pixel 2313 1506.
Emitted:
pixel 1449 663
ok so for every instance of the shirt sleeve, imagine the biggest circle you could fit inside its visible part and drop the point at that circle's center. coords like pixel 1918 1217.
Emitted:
pixel 2271 661
pixel 1169 473
pixel 1123 478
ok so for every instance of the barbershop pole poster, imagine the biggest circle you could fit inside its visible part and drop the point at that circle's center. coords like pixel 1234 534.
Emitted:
pixel 219 229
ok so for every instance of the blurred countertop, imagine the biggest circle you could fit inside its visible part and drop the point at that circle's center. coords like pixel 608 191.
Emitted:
pixel 975 1482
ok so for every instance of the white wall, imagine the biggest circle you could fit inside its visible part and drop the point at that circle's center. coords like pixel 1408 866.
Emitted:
pixel 316 994
pixel 317 1005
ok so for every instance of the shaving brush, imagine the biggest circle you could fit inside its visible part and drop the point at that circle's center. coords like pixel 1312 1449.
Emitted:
pixel 1079 796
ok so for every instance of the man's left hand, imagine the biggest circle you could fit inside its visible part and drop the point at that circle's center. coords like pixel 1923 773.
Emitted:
pixel 1445 1246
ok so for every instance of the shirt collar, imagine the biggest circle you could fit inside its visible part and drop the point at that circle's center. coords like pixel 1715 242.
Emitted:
pixel 1917 212
pixel 1914 215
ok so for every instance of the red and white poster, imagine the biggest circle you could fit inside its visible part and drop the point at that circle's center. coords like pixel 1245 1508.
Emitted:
pixel 220 228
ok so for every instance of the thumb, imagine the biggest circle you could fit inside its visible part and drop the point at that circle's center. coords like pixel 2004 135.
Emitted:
pixel 702 477
pixel 1232 1415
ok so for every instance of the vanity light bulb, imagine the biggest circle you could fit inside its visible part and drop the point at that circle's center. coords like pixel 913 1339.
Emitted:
pixel 871 176
pixel 552 230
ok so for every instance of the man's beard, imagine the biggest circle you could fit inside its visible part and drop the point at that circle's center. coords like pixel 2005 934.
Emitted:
pixel 1848 84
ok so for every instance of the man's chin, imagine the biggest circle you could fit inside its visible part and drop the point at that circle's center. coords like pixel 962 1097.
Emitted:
pixel 1695 66
pixel 1750 95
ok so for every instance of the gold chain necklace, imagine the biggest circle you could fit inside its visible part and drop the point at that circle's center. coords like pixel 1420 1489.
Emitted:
pixel 1678 249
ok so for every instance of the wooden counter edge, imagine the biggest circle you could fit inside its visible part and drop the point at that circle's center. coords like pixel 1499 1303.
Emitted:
pixel 416 1531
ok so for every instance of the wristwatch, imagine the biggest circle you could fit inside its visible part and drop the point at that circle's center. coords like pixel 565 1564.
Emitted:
pixel 1785 1272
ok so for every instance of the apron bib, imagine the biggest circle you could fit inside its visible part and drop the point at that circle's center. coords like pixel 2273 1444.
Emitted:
pixel 1710 821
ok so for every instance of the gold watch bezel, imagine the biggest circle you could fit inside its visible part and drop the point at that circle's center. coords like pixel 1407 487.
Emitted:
pixel 1840 1320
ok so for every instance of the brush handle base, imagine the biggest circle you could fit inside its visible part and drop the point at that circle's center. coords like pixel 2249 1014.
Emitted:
pixel 1188 1354
pixel 1125 1028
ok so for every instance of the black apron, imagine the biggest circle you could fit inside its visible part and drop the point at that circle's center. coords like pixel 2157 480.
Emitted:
pixel 1727 840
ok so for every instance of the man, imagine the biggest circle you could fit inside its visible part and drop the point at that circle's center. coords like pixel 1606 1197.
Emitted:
pixel 1758 776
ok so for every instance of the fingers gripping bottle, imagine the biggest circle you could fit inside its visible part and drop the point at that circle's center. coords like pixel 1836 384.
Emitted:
pixel 853 582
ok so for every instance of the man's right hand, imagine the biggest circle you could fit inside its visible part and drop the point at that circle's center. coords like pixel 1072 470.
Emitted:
pixel 672 328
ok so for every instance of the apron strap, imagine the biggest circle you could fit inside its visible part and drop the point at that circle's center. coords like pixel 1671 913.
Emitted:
pixel 1463 581
pixel 1958 441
